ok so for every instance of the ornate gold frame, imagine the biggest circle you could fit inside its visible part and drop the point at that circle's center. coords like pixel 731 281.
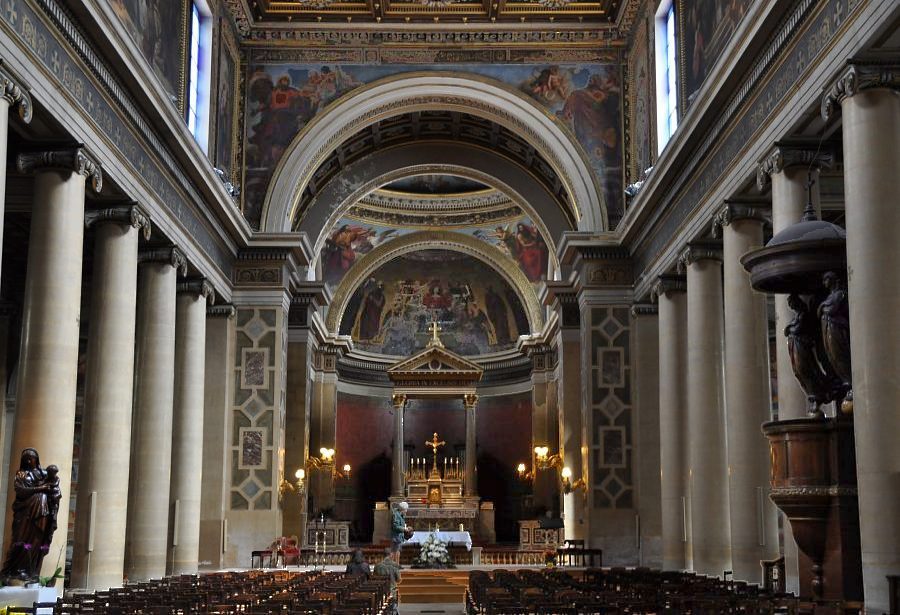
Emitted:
pixel 457 242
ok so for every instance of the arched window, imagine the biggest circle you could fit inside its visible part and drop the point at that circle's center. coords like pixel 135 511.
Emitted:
pixel 666 74
pixel 200 69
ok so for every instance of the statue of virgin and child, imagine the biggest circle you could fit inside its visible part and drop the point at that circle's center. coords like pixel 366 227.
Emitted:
pixel 35 511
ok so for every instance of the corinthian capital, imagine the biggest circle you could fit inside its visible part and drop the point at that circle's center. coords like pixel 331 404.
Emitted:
pixel 131 215
pixel 737 210
pixel 73 159
pixel 666 284
pixel 857 76
pixel 200 287
pixel 794 153
pixel 697 251
pixel 170 256
pixel 470 400
pixel 15 94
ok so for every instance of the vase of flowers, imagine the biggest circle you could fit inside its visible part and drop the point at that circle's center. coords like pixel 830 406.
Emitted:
pixel 433 553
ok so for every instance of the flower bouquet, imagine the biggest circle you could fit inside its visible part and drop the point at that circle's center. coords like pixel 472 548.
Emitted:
pixel 433 553
pixel 550 558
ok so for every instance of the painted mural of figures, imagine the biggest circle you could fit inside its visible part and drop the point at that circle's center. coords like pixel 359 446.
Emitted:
pixel 550 85
pixel 339 252
pixel 372 309
pixel 593 114
pixel 150 23
pixel 526 246
pixel 531 252
pixel 496 311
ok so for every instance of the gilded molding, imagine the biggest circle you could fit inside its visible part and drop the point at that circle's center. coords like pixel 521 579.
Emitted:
pixel 224 310
pixel 15 94
pixel 696 252
pixel 860 75
pixel 131 215
pixel 200 287
pixel 666 284
pixel 470 400
pixel 72 159
pixel 644 310
pixel 737 211
pixel 448 240
pixel 787 154
pixel 812 491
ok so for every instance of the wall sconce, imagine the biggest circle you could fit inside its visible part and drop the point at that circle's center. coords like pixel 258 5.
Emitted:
pixel 298 485
pixel 568 485
pixel 345 472
pixel 544 461
pixel 327 455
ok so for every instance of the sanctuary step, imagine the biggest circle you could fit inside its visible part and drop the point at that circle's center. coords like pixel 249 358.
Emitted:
pixel 433 586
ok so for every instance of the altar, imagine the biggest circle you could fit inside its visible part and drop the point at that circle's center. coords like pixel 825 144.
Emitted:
pixel 452 539
pixel 441 491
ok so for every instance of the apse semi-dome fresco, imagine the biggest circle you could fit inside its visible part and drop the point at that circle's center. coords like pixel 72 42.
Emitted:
pixel 478 311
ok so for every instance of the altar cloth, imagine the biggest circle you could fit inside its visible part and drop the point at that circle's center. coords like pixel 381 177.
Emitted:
pixel 451 538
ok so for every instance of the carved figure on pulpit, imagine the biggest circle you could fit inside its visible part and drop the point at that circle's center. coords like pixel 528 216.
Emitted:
pixel 802 333
pixel 834 313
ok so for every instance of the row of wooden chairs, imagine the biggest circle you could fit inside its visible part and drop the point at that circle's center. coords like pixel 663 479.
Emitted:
pixel 618 591
pixel 234 593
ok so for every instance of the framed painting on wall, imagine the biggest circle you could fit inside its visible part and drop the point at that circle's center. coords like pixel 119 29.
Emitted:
pixel 151 24
pixel 228 94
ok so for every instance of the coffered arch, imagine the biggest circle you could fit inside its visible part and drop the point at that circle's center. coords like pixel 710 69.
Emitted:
pixel 542 135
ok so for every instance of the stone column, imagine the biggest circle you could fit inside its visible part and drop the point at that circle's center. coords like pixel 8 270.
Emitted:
pixel 48 360
pixel 218 392
pixel 645 378
pixel 12 94
pixel 576 517
pixel 870 104
pixel 323 422
pixel 754 518
pixel 99 552
pixel 544 422
pixel 470 400
pixel 304 305
pixel 187 424
pixel 7 414
pixel 399 403
pixel 708 470
pixel 669 291
pixel 151 432
pixel 790 165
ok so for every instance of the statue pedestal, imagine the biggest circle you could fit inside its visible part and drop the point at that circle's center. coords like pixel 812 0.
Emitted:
pixel 334 534
pixel 532 537
pixel 26 596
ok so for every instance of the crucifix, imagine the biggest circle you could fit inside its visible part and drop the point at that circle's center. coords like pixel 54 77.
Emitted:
pixel 434 328
pixel 434 444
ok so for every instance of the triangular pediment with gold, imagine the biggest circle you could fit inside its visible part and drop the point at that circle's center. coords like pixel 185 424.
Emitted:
pixel 436 359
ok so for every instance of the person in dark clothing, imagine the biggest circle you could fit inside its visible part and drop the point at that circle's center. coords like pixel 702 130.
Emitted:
pixel 357 566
